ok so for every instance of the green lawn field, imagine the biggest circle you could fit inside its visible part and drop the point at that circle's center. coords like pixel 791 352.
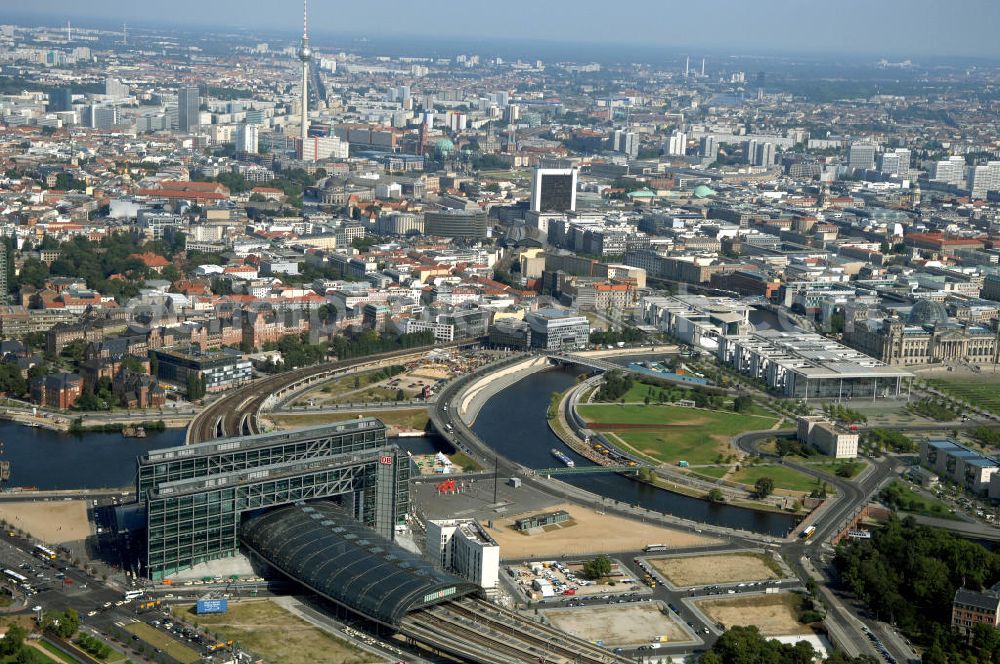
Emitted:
pixel 673 433
pixel 715 472
pixel 982 391
pixel 783 476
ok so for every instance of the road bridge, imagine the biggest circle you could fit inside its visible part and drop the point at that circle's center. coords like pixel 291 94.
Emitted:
pixel 604 365
pixel 236 413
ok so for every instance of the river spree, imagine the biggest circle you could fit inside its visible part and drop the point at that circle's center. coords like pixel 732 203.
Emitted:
pixel 514 424
pixel 46 459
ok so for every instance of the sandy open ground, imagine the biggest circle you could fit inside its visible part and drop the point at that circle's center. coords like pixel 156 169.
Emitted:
pixel 618 625
pixel 590 532
pixel 774 615
pixel 53 522
pixel 684 571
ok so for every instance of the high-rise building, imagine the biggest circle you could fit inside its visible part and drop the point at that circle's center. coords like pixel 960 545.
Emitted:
pixel 102 117
pixel 315 148
pixel 115 88
pixel 709 147
pixel 677 144
pixel 3 273
pixel 861 156
pixel 896 163
pixel 625 141
pixel 760 153
pixel 553 190
pixel 60 100
pixel 950 171
pixel 305 55
pixel 984 179
pixel 248 138
pixel 188 108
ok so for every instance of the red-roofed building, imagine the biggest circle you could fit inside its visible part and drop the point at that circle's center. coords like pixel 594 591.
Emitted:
pixel 154 262
pixel 942 243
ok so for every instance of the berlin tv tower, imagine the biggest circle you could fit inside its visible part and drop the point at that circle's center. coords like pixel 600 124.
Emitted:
pixel 305 55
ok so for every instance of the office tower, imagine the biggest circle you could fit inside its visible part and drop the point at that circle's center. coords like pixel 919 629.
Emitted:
pixel 625 141
pixel 60 100
pixel 115 88
pixel 984 179
pixel 248 138
pixel 188 108
pixel 553 190
pixel 950 171
pixel 861 156
pixel 315 148
pixel 703 67
pixel 709 147
pixel 687 66
pixel 761 154
pixel 305 54
pixel 102 117
pixel 458 121
pixel 677 144
pixel 896 163
pixel 3 273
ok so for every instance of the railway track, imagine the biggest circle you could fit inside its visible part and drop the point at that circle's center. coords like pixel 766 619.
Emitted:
pixel 235 414
pixel 489 634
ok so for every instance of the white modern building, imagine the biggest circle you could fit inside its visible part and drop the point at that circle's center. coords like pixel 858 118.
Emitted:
pixel 248 138
pixel 677 144
pixel 824 436
pixel 804 365
pixel 861 156
pixel 462 546
pixel 317 148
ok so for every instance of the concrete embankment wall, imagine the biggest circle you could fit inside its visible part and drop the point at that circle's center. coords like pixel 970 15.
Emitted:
pixel 477 394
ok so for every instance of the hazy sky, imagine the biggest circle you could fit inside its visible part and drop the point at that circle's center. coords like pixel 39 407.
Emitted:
pixel 889 27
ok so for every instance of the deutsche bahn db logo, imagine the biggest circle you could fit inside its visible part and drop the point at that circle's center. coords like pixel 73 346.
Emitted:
pixel 385 460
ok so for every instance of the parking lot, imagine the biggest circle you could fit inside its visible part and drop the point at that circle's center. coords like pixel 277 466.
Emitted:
pixel 552 580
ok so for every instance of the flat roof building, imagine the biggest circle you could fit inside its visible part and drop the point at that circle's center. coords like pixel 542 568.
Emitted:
pixel 555 329
pixel 456 224
pixel 195 495
pixel 958 463
pixel 462 546
pixel 805 365
pixel 823 435
pixel 553 190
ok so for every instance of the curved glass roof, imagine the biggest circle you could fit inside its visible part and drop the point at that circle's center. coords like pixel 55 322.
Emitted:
pixel 326 550
pixel 928 312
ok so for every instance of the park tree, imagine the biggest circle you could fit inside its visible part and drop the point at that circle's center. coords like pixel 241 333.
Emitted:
pixel 764 487
pixel 597 568
pixel 716 496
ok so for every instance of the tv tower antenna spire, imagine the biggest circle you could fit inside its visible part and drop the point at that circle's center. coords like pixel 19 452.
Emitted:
pixel 305 55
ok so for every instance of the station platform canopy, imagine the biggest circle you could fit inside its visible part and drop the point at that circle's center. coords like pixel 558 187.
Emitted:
pixel 320 546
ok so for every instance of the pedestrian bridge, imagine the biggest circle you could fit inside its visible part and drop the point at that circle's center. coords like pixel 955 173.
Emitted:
pixel 583 470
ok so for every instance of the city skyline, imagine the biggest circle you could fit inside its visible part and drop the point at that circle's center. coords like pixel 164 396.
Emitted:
pixel 889 28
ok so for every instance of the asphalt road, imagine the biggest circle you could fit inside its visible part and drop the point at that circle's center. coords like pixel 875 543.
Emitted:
pixel 846 623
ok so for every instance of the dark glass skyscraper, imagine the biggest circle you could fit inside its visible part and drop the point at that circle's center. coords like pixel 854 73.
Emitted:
pixel 188 105
pixel 60 99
